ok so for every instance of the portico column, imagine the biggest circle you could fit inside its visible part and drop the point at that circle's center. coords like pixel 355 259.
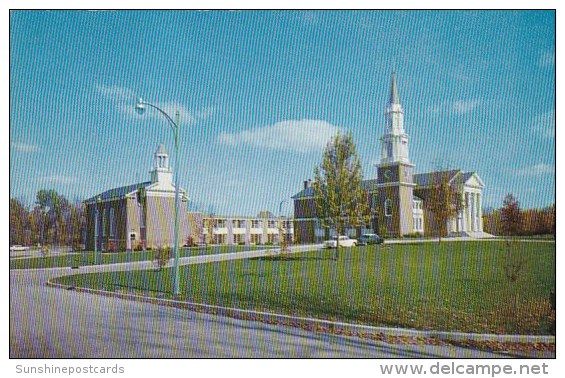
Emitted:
pixel 465 210
pixel 475 212
pixel 480 211
pixel 472 197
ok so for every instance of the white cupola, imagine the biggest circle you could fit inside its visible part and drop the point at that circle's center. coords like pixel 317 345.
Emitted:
pixel 161 172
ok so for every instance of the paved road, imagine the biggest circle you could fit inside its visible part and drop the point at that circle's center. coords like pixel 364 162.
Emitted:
pixel 47 322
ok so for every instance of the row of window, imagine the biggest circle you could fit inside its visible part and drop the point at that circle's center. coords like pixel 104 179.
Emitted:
pixel 236 223
pixel 240 239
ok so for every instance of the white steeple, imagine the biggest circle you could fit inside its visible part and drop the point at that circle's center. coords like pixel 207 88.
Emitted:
pixel 395 139
pixel 161 172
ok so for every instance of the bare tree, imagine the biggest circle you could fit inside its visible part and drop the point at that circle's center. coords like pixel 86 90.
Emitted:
pixel 338 192
pixel 514 264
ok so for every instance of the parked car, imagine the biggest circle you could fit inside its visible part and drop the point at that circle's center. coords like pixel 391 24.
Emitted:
pixel 18 248
pixel 344 241
pixel 368 239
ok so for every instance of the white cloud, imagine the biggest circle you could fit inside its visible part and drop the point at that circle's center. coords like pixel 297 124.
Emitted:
pixel 457 106
pixel 25 147
pixel 126 100
pixel 465 106
pixel 120 94
pixel 537 170
pixel 544 124
pixel 59 179
pixel 205 113
pixel 294 135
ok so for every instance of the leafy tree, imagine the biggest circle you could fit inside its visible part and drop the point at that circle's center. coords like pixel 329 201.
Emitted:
pixel 443 201
pixel 511 216
pixel 53 220
pixel 19 222
pixel 338 193
pixel 52 207
pixel 210 225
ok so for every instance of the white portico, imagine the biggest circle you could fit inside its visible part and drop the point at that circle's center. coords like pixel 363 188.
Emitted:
pixel 470 220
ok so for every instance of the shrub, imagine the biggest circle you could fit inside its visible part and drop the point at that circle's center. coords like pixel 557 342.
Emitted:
pixel 161 257
pixel 190 242
pixel 112 246
pixel 45 250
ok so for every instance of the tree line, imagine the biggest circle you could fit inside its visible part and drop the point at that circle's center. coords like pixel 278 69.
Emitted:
pixel 511 220
pixel 51 220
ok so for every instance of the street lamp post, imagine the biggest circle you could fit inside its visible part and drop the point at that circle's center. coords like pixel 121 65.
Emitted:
pixel 96 231
pixel 140 107
pixel 281 228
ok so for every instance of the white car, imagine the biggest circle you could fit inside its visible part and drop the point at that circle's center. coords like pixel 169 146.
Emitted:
pixel 18 248
pixel 344 241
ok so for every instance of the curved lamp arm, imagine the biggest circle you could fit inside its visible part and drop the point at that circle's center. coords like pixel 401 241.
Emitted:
pixel 140 107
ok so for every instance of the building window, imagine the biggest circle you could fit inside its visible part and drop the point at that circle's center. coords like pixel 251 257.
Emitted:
pixel 255 224
pixel 104 222
pixel 112 223
pixel 256 238
pixel 388 208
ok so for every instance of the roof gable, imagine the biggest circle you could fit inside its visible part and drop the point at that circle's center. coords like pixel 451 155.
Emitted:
pixel 304 193
pixel 117 193
pixel 433 178
pixel 473 180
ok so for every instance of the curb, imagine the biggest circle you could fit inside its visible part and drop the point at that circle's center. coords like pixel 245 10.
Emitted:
pixel 319 324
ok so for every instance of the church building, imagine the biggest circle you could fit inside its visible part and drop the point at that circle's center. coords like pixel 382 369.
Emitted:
pixel 397 196
pixel 142 216
pixel 138 216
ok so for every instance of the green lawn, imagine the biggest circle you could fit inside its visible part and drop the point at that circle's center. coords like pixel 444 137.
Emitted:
pixel 87 258
pixel 458 286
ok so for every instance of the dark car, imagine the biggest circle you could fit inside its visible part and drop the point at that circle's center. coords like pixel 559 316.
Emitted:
pixel 367 239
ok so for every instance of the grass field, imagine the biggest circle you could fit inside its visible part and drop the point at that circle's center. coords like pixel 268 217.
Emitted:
pixel 87 258
pixel 457 286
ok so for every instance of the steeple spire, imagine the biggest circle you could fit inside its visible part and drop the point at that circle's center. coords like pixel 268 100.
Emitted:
pixel 394 97
pixel 395 139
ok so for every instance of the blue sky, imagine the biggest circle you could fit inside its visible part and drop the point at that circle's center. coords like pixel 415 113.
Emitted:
pixel 260 94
